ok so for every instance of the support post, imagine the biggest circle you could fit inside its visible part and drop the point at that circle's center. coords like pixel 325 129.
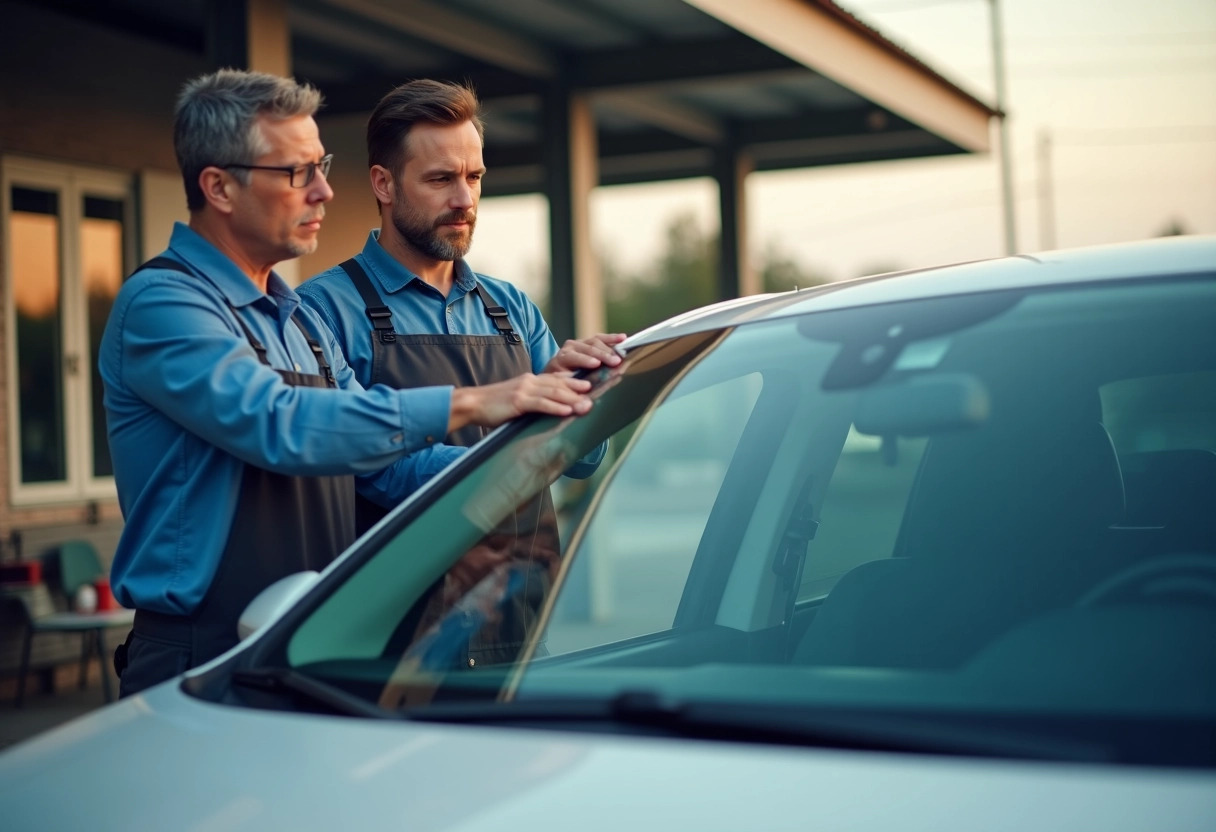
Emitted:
pixel 249 34
pixel 576 295
pixel 736 277
pixel 1047 207
pixel 998 70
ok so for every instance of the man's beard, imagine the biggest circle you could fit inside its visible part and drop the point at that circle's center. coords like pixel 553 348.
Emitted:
pixel 301 248
pixel 423 234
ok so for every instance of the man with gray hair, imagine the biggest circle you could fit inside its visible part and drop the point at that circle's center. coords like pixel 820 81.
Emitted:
pixel 239 432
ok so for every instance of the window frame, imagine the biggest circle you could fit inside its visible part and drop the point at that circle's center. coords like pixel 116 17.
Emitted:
pixel 72 183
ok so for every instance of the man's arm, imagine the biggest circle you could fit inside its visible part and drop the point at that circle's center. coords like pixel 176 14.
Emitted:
pixel 181 355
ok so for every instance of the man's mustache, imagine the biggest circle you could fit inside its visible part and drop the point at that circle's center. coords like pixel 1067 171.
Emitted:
pixel 457 216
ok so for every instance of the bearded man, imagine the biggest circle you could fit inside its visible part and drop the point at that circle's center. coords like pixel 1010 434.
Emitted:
pixel 408 311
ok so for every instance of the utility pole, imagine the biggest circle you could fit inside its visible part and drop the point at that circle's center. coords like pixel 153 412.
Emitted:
pixel 1047 207
pixel 998 69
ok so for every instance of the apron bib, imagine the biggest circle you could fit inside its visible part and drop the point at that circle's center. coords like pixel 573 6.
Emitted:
pixel 282 524
pixel 404 361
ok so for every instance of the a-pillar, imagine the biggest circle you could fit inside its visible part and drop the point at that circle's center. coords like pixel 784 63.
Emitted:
pixel 576 294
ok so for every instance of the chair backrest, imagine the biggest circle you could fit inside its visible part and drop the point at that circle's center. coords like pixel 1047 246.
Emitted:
pixel 73 564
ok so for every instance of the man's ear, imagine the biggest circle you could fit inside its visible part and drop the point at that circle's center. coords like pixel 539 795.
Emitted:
pixel 219 188
pixel 382 184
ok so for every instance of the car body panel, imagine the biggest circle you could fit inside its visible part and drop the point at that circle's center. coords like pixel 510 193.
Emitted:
pixel 322 772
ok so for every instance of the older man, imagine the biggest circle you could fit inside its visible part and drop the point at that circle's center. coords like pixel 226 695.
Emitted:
pixel 239 432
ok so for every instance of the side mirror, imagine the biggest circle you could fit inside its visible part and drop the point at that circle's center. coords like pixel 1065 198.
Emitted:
pixel 272 601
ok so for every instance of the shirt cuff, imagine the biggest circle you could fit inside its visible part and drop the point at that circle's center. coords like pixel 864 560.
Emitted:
pixel 425 412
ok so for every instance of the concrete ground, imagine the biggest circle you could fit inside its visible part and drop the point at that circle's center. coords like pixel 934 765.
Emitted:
pixel 43 710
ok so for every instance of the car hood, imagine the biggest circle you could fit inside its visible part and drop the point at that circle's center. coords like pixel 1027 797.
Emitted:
pixel 164 760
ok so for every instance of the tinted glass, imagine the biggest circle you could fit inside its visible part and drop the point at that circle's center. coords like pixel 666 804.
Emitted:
pixel 911 508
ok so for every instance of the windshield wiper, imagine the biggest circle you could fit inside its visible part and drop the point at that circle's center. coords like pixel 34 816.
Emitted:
pixel 740 722
pixel 284 680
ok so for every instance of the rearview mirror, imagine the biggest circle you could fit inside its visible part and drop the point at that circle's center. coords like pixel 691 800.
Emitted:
pixel 923 405
pixel 272 601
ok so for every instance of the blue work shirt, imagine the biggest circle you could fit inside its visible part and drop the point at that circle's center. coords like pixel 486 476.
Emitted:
pixel 419 308
pixel 189 404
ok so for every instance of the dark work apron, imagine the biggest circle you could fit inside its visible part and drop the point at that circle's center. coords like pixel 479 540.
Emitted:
pixel 404 361
pixel 283 524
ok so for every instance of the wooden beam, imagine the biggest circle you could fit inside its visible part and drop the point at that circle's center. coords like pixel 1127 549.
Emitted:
pixel 463 34
pixel 828 43
pixel 665 114
pixel 712 59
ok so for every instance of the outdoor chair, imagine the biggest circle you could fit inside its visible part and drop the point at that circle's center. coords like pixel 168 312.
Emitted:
pixel 70 566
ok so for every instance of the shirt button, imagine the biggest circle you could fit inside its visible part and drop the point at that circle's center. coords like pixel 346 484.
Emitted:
pixel 297 368
pixel 472 662
pixel 430 439
pixel 398 439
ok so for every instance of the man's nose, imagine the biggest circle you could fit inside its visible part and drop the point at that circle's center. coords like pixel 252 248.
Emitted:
pixel 319 190
pixel 464 196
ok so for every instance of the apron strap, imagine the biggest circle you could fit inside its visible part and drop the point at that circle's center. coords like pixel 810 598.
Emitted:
pixel 322 364
pixel 382 317
pixel 498 315
pixel 169 264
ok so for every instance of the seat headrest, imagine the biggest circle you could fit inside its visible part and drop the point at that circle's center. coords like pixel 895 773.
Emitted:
pixel 1013 484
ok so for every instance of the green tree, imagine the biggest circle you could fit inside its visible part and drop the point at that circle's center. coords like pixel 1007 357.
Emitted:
pixel 780 273
pixel 1173 228
pixel 685 276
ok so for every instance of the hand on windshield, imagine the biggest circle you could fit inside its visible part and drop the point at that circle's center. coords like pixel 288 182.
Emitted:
pixel 492 404
pixel 586 354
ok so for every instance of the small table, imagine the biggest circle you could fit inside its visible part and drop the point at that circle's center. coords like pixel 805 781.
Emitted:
pixel 90 625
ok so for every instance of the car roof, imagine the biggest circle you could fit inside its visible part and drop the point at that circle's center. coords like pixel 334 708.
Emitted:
pixel 1160 257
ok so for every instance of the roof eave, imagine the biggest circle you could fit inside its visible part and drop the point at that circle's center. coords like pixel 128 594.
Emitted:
pixel 823 37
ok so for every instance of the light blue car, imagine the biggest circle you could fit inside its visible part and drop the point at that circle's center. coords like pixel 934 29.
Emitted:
pixel 925 551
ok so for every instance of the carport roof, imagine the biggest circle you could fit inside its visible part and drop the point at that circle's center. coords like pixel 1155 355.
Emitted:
pixel 791 83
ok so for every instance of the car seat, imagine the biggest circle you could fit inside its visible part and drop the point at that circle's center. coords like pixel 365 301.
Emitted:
pixel 1002 522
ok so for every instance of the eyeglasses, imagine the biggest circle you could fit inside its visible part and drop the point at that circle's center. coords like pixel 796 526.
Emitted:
pixel 301 175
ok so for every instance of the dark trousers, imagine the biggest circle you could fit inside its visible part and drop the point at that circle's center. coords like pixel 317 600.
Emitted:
pixel 158 648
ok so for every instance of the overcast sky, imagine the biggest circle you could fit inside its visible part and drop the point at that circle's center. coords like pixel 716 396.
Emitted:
pixel 1125 89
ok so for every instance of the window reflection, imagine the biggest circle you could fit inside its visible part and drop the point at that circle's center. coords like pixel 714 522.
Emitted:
pixel 35 233
pixel 102 268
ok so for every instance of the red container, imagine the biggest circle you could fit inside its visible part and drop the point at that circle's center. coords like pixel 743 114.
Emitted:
pixel 21 572
pixel 105 598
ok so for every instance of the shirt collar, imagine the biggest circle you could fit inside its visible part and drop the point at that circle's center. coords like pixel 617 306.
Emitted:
pixel 393 277
pixel 216 268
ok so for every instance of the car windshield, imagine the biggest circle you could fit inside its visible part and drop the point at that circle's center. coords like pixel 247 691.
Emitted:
pixel 996 509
